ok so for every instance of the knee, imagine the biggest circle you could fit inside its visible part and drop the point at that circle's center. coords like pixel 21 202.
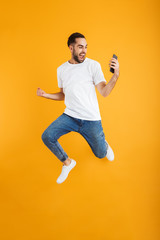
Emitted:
pixel 49 137
pixel 45 136
pixel 101 154
pixel 100 148
pixel 100 151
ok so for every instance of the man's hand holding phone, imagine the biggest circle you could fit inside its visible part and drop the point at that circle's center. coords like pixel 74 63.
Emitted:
pixel 114 65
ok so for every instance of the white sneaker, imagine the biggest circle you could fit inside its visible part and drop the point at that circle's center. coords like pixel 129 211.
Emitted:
pixel 65 171
pixel 110 153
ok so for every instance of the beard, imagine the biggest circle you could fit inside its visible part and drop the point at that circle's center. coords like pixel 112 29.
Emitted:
pixel 76 58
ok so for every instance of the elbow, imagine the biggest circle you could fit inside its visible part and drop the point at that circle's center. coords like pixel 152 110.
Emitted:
pixel 105 91
pixel 105 94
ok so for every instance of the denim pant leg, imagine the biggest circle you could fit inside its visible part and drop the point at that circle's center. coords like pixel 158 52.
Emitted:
pixel 93 132
pixel 62 125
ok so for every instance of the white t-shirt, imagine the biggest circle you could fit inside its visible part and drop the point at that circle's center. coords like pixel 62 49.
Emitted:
pixel 78 82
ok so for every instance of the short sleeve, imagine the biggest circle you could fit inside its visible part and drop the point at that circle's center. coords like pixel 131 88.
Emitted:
pixel 60 85
pixel 98 75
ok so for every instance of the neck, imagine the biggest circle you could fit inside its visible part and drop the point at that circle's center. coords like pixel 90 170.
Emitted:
pixel 72 61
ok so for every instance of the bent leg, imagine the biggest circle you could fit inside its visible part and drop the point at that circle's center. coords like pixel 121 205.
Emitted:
pixel 62 125
pixel 92 131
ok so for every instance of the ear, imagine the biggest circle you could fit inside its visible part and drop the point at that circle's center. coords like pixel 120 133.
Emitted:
pixel 70 47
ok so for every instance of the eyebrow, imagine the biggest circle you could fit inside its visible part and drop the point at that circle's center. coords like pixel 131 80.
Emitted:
pixel 82 45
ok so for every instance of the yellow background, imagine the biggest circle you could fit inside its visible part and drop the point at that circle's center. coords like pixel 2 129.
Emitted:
pixel 100 200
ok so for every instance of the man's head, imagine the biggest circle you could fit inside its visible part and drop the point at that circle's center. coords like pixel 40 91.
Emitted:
pixel 78 46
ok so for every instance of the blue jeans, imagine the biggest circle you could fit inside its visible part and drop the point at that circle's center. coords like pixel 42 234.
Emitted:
pixel 92 131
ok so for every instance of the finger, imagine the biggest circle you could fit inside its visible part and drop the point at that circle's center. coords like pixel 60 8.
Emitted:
pixel 112 61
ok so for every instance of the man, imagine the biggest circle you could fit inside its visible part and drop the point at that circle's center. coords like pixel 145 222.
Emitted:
pixel 77 79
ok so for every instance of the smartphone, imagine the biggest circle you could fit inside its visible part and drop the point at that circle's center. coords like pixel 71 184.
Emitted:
pixel 112 69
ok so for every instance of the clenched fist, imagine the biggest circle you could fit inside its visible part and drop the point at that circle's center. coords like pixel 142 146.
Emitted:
pixel 41 93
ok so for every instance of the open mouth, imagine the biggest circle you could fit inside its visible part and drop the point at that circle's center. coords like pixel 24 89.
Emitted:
pixel 82 56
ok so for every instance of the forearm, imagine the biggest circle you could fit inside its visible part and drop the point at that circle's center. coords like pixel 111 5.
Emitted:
pixel 55 96
pixel 110 85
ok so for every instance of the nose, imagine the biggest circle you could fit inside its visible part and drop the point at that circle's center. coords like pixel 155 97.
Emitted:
pixel 84 52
